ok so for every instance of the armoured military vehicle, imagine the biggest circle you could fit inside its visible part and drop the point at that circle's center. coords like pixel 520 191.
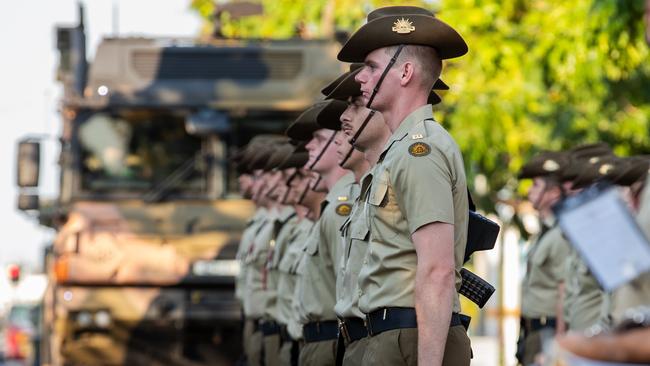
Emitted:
pixel 147 217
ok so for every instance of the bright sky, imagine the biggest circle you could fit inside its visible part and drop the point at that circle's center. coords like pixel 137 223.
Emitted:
pixel 29 93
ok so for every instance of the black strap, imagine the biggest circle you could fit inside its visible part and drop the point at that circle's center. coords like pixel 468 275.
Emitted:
pixel 307 188
pixel 362 127
pixel 313 186
pixel 320 331
pixel 270 328
pixel 383 75
pixel 397 318
pixel 535 324
pixel 347 156
pixel 320 155
pixel 357 134
pixel 288 183
pixel 352 329
pixel 470 201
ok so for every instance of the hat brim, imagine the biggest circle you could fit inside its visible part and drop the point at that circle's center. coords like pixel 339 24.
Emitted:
pixel 278 156
pixel 295 160
pixel 378 33
pixel 330 116
pixel 440 85
pixel 305 125
pixel 327 90
pixel 347 87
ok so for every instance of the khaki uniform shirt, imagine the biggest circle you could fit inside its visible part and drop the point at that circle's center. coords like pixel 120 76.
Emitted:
pixel 584 308
pixel 419 179
pixel 246 241
pixel 255 268
pixel 316 286
pixel 294 323
pixel 285 226
pixel 637 292
pixel 287 276
pixel 546 270
pixel 355 233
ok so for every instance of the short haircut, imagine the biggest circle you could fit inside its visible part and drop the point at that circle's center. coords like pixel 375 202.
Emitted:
pixel 426 59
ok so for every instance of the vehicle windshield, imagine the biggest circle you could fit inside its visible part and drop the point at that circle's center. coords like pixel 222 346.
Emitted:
pixel 23 316
pixel 138 153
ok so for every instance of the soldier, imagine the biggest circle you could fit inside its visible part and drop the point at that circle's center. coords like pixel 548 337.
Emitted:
pixel 257 250
pixel 350 328
pixel 355 120
pixel 284 227
pixel 417 203
pixel 250 189
pixel 581 158
pixel 543 285
pixel 307 204
pixel 584 298
pixel 368 132
pixel 637 292
pixel 630 302
pixel 315 290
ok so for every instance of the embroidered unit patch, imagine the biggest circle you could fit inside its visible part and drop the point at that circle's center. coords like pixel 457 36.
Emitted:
pixel 343 209
pixel 419 149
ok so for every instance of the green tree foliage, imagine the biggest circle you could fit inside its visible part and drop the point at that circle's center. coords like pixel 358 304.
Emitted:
pixel 540 74
pixel 282 18
pixel 546 75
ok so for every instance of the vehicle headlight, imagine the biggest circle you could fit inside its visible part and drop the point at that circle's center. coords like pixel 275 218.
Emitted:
pixel 217 267
pixel 102 319
pixel 84 319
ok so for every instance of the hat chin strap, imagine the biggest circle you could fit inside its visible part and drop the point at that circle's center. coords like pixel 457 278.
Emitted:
pixel 383 75
pixel 322 152
pixel 288 184
pixel 304 193
pixel 357 134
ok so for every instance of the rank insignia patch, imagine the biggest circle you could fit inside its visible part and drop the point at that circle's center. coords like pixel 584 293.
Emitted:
pixel 419 149
pixel 343 209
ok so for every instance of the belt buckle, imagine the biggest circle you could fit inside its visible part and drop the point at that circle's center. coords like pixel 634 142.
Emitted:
pixel 343 330
pixel 367 324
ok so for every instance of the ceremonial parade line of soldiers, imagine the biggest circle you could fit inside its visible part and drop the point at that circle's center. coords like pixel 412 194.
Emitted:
pixel 355 253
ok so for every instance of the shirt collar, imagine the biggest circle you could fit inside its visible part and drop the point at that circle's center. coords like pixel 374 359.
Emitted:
pixel 423 113
pixel 285 213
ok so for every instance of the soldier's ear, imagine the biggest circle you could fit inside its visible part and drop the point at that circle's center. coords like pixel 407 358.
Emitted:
pixel 408 71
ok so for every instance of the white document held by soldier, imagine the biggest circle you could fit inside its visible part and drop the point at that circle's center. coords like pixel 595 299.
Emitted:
pixel 608 238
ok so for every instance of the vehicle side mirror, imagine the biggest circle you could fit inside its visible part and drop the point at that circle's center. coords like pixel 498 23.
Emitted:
pixel 207 122
pixel 28 164
pixel 27 202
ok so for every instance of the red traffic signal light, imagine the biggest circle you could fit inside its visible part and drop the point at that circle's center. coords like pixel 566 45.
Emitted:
pixel 14 273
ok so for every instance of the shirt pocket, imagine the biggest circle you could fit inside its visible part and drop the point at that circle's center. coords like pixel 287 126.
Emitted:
pixel 311 247
pixel 359 231
pixel 384 206
pixel 379 190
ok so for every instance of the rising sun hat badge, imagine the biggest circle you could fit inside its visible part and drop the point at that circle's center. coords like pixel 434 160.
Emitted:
pixel 403 26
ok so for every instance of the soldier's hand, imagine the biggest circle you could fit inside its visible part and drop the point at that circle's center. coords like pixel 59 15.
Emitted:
pixel 632 346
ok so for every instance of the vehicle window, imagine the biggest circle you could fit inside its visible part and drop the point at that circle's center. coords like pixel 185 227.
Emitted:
pixel 138 154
